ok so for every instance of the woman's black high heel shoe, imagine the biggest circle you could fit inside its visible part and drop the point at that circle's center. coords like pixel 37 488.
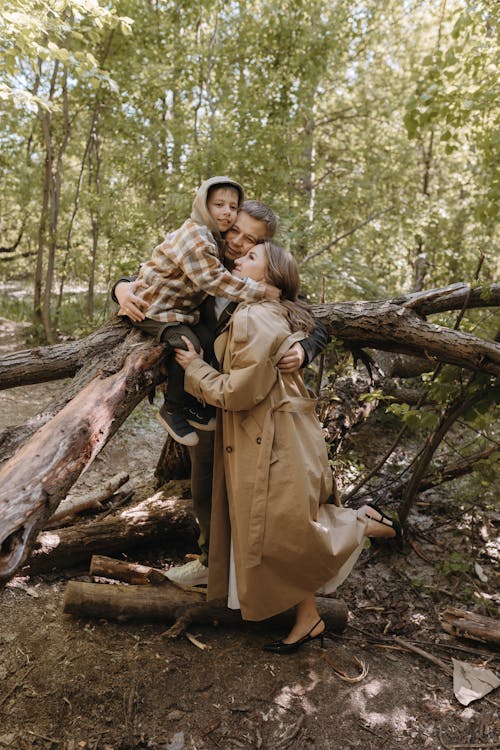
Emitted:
pixel 280 647
pixel 392 523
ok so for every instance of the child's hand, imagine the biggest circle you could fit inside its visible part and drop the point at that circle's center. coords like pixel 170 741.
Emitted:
pixel 183 357
pixel 129 302
pixel 272 292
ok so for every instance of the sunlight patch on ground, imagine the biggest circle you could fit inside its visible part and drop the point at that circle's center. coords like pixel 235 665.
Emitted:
pixel 290 693
pixel 418 618
pixel 399 719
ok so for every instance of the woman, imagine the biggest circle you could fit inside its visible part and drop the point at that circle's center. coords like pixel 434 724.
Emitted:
pixel 275 540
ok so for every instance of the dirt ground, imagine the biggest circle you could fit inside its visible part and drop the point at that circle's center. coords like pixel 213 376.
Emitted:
pixel 71 684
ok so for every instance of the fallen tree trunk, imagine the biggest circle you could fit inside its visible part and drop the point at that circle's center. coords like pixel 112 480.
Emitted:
pixel 170 605
pixel 165 516
pixel 45 363
pixel 99 364
pixel 39 476
pixel 390 325
pixel 465 624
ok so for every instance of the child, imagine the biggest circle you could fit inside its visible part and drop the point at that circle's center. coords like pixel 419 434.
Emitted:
pixel 182 272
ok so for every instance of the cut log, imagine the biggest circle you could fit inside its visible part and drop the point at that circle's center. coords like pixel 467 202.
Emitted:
pixel 165 516
pixel 171 605
pixel 72 506
pixel 120 570
pixel 470 625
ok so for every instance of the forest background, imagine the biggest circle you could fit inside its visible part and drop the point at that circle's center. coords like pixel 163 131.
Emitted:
pixel 370 127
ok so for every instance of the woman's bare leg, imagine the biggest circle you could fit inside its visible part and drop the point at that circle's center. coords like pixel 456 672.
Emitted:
pixel 376 527
pixel 306 617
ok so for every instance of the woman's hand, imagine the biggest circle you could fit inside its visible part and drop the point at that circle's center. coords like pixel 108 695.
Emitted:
pixel 293 359
pixel 129 302
pixel 183 357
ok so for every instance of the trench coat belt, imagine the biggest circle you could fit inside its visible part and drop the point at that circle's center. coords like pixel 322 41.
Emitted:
pixel 260 494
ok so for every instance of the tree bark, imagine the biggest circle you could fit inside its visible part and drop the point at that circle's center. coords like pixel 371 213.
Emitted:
pixel 465 624
pixel 120 570
pixel 40 474
pixel 169 604
pixel 45 363
pixel 106 353
pixel 72 506
pixel 165 516
pixel 393 325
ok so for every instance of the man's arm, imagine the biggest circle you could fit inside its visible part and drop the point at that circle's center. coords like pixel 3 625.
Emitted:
pixel 302 353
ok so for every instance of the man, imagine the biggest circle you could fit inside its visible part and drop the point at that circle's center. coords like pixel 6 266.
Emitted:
pixel 254 223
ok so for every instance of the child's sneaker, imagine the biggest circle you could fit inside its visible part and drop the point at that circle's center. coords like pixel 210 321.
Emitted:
pixel 177 427
pixel 193 573
pixel 201 417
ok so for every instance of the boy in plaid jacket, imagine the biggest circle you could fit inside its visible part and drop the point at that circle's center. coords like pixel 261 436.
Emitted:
pixel 182 272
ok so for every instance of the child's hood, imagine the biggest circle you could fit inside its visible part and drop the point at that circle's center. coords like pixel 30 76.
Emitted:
pixel 199 212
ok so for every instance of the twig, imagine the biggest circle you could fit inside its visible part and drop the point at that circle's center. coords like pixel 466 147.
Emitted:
pixel 117 504
pixel 211 728
pixel 44 737
pixel 290 733
pixel 343 675
pixel 418 551
pixel 473 651
pixel 425 655
pixel 452 747
pixel 346 234
pixel 197 643
pixel 372 731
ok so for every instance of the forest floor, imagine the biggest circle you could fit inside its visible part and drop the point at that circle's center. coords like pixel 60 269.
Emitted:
pixel 81 684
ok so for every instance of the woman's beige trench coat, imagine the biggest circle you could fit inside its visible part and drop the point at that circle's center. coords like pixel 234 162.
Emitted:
pixel 271 471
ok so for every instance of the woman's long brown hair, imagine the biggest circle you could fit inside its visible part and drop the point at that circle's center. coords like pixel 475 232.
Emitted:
pixel 282 271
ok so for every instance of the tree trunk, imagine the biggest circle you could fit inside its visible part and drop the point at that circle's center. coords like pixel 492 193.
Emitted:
pixel 164 516
pixel 169 604
pixel 393 325
pixel 46 363
pixel 42 471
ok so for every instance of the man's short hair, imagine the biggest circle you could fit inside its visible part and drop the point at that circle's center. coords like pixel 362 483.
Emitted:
pixel 259 210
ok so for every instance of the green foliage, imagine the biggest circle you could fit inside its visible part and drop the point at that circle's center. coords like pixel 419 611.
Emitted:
pixel 414 419
pixel 456 562
pixel 369 128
